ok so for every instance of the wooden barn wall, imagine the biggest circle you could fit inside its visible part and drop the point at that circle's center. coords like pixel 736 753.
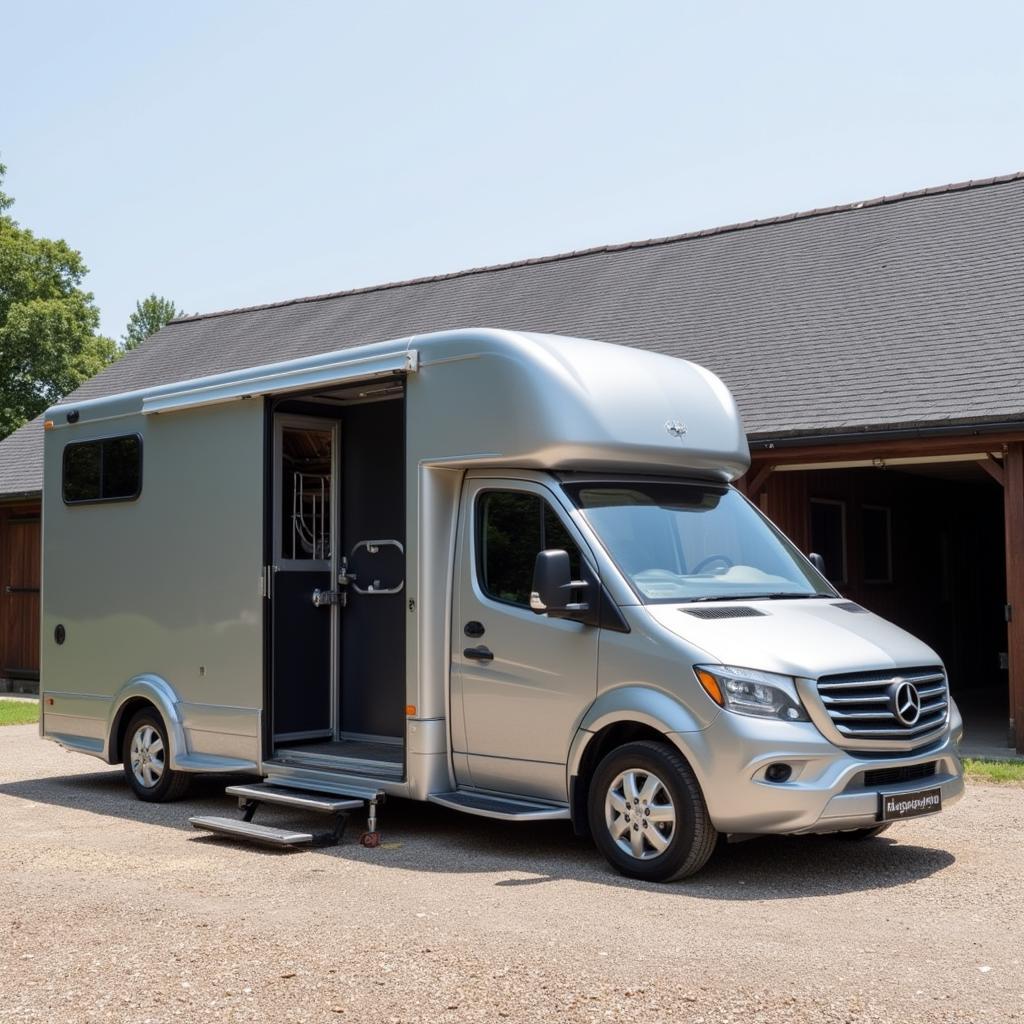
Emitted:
pixel 20 551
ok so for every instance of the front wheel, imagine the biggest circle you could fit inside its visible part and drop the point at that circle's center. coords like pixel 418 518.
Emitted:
pixel 146 755
pixel 648 815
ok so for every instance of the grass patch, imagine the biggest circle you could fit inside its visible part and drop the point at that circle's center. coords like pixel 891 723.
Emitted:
pixel 18 712
pixel 994 771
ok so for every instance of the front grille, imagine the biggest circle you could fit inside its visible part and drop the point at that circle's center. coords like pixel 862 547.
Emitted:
pixel 863 705
pixel 902 773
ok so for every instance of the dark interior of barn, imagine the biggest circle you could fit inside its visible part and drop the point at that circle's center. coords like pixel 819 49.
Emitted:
pixel 923 545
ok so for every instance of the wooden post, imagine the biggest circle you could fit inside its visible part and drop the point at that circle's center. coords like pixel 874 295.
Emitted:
pixel 1013 505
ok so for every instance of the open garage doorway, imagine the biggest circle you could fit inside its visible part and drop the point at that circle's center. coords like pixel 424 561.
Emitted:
pixel 923 545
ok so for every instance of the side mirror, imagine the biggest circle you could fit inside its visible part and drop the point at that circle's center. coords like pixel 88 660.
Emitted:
pixel 553 585
pixel 817 561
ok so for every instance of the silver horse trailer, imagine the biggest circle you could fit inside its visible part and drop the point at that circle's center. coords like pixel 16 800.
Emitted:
pixel 503 572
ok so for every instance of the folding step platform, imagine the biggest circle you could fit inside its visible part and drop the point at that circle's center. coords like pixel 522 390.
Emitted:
pixel 234 828
pixel 250 797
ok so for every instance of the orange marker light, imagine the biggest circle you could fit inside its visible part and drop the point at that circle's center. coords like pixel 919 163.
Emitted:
pixel 711 687
pixel 410 709
pixel 47 424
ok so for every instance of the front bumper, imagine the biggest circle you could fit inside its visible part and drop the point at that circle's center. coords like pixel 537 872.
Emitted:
pixel 826 792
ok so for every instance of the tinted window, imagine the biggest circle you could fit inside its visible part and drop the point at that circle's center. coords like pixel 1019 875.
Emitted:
pixel 512 527
pixel 105 470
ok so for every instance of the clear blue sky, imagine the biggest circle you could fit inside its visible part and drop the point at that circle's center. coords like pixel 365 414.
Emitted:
pixel 231 153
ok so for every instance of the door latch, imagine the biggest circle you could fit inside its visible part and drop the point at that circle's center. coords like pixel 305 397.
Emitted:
pixel 322 598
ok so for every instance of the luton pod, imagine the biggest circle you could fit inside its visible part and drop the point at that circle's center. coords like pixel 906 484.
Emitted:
pixel 507 573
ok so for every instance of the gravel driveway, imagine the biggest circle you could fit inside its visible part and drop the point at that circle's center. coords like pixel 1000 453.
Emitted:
pixel 117 910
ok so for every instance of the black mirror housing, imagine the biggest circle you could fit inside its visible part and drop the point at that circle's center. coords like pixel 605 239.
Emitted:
pixel 553 585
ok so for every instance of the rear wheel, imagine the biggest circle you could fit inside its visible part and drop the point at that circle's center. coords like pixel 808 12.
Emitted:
pixel 146 755
pixel 648 815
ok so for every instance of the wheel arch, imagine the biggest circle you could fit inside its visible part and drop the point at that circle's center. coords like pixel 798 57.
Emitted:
pixel 623 715
pixel 140 693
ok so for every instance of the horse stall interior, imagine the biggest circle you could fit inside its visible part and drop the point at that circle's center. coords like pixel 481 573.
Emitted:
pixel 337 528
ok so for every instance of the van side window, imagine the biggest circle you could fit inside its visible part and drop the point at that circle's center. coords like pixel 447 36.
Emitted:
pixel 109 469
pixel 512 527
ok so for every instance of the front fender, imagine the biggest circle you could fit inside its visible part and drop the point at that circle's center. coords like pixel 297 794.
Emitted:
pixel 634 703
pixel 161 695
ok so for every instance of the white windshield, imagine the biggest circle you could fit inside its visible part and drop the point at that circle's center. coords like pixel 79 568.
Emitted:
pixel 693 542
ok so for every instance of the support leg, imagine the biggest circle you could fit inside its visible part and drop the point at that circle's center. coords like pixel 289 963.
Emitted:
pixel 371 837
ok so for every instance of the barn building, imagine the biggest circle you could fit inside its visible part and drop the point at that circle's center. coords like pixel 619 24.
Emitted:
pixel 876 351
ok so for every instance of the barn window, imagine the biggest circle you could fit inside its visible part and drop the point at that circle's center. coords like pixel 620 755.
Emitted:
pixel 107 469
pixel 877 533
pixel 828 536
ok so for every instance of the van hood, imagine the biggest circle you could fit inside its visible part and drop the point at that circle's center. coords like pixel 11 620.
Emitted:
pixel 808 637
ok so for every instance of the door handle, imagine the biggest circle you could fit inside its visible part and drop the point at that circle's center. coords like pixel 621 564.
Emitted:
pixel 481 653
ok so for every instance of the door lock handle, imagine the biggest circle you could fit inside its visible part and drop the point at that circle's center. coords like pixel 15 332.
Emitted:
pixel 481 653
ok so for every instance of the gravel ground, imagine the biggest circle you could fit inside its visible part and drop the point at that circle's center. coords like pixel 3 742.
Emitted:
pixel 114 910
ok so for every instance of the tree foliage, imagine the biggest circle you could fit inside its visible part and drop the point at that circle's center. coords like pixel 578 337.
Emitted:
pixel 151 314
pixel 49 327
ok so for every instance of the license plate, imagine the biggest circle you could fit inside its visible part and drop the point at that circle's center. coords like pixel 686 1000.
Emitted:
pixel 893 806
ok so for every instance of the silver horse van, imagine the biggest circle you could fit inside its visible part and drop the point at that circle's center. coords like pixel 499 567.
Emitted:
pixel 503 572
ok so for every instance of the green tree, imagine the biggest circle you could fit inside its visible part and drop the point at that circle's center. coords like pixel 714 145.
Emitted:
pixel 49 327
pixel 151 314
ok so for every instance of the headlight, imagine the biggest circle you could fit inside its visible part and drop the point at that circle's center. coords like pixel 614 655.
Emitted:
pixel 749 692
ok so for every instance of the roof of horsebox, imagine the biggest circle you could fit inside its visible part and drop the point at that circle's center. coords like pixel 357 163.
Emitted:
pixel 497 397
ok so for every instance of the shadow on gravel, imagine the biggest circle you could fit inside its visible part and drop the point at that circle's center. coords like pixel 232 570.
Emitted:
pixel 426 837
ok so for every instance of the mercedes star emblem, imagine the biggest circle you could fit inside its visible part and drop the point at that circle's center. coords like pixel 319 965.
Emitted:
pixel 906 703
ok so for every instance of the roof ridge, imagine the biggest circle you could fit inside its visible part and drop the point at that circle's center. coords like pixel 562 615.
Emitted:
pixel 960 186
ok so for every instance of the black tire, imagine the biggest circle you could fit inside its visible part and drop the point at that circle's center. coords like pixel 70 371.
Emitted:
pixel 691 839
pixel 859 834
pixel 167 785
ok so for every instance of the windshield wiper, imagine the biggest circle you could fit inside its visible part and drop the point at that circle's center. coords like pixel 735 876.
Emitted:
pixel 777 596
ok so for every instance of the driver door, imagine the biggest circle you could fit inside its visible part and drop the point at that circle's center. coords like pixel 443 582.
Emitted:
pixel 521 682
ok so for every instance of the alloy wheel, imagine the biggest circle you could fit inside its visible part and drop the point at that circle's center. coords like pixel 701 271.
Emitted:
pixel 147 756
pixel 639 813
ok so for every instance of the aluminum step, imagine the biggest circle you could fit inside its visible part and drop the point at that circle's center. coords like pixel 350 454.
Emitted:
pixel 284 776
pixel 504 808
pixel 247 830
pixel 322 803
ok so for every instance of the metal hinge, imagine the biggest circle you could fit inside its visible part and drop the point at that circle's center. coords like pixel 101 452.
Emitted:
pixel 267 581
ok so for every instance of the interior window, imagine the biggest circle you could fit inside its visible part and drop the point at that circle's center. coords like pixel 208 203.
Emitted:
pixel 104 470
pixel 512 527
pixel 306 493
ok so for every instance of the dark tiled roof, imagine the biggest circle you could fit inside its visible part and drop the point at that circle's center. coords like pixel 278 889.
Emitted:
pixel 896 312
